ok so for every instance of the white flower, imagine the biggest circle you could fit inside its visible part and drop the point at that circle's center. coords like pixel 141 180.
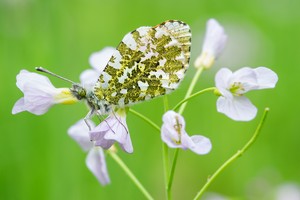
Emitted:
pixel 288 191
pixel 95 159
pixel 214 42
pixel 98 61
pixel 39 94
pixel 174 135
pixel 113 129
pixel 232 87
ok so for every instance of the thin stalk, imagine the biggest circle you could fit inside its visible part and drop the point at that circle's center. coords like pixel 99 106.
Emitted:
pixel 165 152
pixel 130 174
pixel 191 88
pixel 172 173
pixel 235 156
pixel 146 119
pixel 181 109
pixel 193 96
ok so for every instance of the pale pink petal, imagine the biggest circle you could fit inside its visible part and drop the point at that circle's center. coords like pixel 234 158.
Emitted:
pixel 97 134
pixel 247 77
pixel 288 191
pixel 98 60
pixel 112 129
pixel 88 78
pixel 39 93
pixel 170 136
pixel 40 81
pixel 95 161
pixel 80 133
pixel 222 78
pixel 202 145
pixel 175 136
pixel 215 38
pixel 266 78
pixel 119 132
pixel 19 106
pixel 237 108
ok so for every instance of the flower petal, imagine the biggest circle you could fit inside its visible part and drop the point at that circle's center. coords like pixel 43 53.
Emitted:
pixel 113 129
pixel 237 108
pixel 39 93
pixel 246 77
pixel 214 43
pixel 171 118
pixel 88 78
pixel 266 78
pixel 80 133
pixel 215 38
pixel 202 145
pixel 222 79
pixel 172 131
pixel 171 137
pixel 19 106
pixel 25 77
pixel 97 134
pixel 95 161
pixel 98 60
pixel 119 132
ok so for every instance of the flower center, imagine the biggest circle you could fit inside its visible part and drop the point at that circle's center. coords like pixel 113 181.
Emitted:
pixel 237 88
pixel 178 127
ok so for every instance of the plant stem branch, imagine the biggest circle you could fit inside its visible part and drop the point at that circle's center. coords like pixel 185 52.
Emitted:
pixel 146 119
pixel 235 156
pixel 130 174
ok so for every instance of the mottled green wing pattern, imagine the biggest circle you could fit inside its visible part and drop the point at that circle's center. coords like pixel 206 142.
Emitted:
pixel 149 62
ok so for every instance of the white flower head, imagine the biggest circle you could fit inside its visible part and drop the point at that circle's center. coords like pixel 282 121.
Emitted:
pixel 174 135
pixel 214 43
pixel 233 85
pixel 39 94
pixel 98 61
pixel 288 191
pixel 113 129
pixel 95 159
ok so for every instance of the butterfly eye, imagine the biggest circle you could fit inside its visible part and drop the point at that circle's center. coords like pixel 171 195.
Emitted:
pixel 78 91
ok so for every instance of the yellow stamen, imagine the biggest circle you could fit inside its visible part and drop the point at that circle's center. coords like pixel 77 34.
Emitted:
pixel 65 96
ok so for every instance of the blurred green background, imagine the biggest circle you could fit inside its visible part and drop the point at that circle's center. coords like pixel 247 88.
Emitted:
pixel 40 161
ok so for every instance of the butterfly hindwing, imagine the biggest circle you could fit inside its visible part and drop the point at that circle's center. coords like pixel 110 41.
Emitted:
pixel 148 62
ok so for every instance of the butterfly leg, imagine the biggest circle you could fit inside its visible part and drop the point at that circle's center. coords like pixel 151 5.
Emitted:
pixel 87 117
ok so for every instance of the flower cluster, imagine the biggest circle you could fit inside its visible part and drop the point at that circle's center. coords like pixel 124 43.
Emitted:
pixel 230 87
pixel 40 95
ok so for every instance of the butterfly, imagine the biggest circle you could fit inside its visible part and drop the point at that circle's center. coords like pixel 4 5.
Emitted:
pixel 148 62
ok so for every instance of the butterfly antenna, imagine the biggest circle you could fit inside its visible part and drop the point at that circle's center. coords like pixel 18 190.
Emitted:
pixel 40 69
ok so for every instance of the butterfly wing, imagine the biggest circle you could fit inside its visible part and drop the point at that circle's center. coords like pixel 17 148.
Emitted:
pixel 149 62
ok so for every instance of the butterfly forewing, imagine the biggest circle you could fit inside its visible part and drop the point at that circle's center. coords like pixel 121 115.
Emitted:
pixel 149 62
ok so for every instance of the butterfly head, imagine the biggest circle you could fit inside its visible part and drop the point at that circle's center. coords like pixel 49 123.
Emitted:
pixel 78 91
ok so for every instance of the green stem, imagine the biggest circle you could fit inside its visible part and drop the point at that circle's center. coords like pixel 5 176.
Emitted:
pixel 146 119
pixel 191 88
pixel 193 96
pixel 181 109
pixel 235 156
pixel 172 173
pixel 166 152
pixel 130 174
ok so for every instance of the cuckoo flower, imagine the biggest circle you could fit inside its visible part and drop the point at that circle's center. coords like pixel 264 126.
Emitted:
pixel 39 94
pixel 174 135
pixel 233 85
pixel 214 42
pixel 113 129
pixel 95 160
pixel 98 61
